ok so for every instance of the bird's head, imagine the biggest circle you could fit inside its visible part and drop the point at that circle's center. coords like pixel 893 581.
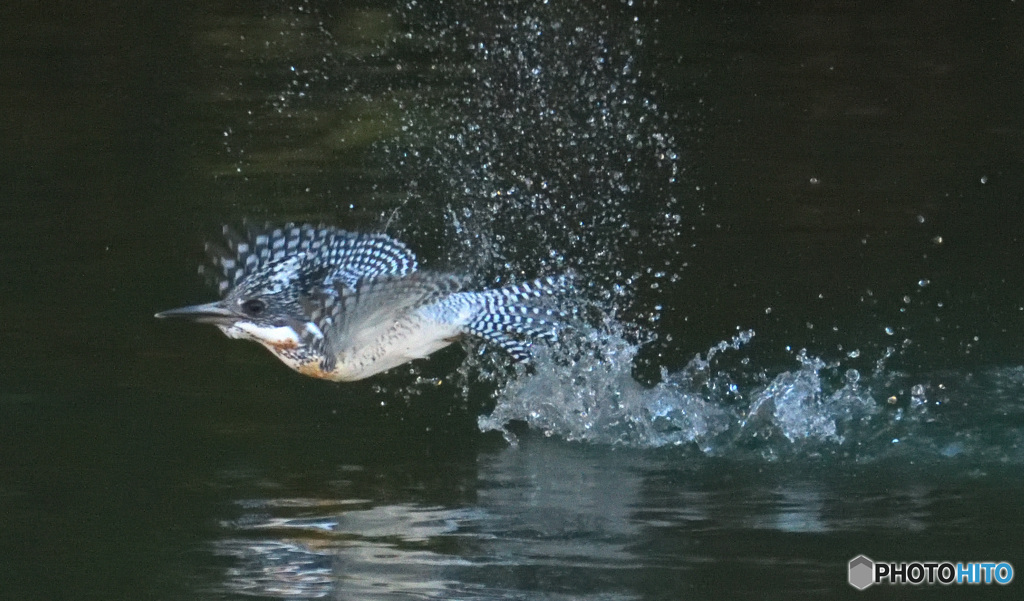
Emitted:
pixel 270 306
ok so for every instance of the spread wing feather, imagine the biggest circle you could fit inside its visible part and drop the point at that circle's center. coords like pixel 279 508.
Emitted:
pixel 340 255
pixel 352 316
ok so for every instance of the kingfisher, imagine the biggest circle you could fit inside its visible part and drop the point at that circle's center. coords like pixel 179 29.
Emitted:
pixel 342 305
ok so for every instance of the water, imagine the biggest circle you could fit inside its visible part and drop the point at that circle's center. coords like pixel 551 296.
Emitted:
pixel 795 231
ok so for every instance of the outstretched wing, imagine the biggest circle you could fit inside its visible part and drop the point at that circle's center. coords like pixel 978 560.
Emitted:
pixel 345 257
pixel 357 315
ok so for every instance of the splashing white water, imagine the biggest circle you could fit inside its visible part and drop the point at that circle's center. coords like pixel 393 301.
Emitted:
pixel 594 397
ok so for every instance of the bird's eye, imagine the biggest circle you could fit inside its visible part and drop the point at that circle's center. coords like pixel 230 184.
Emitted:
pixel 254 306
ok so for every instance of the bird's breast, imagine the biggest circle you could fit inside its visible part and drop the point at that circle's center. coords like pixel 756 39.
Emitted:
pixel 402 341
pixel 361 354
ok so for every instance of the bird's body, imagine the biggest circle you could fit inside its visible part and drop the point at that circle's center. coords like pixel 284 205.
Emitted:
pixel 411 337
pixel 344 306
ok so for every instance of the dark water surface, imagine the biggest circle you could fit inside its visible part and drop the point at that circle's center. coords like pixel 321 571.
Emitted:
pixel 801 221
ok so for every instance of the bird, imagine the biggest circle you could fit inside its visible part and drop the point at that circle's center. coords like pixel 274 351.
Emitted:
pixel 344 305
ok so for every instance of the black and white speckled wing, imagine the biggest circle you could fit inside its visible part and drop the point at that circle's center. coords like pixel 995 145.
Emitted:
pixel 341 256
pixel 355 316
pixel 512 317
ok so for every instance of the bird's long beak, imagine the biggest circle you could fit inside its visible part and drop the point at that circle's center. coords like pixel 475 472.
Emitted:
pixel 208 313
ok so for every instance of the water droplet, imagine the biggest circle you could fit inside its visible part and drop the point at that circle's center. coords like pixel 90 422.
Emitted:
pixel 984 180
pixel 917 398
pixel 889 331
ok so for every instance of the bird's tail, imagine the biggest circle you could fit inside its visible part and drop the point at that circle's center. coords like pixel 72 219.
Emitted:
pixel 513 316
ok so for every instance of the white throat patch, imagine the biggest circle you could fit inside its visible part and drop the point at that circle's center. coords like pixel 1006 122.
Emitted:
pixel 277 336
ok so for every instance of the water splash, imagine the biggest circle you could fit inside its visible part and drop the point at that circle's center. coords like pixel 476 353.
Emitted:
pixel 721 405
pixel 797 405
pixel 816 408
pixel 529 154
pixel 595 398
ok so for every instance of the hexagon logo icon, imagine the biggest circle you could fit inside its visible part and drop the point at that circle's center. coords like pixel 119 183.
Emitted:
pixel 860 574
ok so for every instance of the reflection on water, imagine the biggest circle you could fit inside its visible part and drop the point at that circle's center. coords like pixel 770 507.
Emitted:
pixel 550 520
pixel 538 517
